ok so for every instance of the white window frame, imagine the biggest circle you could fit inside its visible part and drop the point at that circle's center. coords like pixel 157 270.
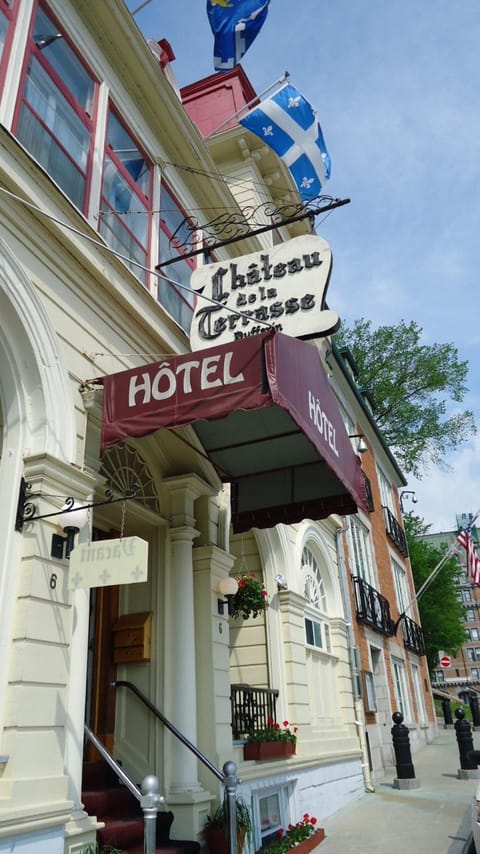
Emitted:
pixel 316 610
pixel 386 492
pixel 283 799
pixel 360 550
pixel 400 685
pixel 401 585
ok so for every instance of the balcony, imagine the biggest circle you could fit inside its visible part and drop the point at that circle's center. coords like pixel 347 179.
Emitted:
pixel 395 532
pixel 372 608
pixel 251 709
pixel 413 635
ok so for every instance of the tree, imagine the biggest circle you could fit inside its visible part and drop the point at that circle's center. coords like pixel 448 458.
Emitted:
pixel 411 384
pixel 441 613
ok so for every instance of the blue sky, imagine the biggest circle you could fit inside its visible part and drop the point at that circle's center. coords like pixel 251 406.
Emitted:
pixel 396 85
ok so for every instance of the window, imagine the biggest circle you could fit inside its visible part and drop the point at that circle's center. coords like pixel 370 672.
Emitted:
pixel 270 814
pixel 400 686
pixel 470 615
pixel 470 654
pixel 54 121
pixel 401 586
pixel 439 676
pixel 474 635
pixel 175 229
pixel 386 492
pixel 126 189
pixel 474 673
pixel 361 551
pixel 5 19
pixel 317 630
pixel 466 595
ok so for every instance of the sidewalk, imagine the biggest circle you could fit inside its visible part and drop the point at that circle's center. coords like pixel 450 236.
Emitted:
pixel 433 819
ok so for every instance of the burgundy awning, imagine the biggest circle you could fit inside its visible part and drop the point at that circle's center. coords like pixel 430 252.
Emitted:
pixel 266 416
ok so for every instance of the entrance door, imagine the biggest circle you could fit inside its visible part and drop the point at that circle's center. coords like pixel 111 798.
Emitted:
pixel 101 670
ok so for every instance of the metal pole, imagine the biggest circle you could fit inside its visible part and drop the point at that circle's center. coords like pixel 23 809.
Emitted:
pixel 149 803
pixel 230 784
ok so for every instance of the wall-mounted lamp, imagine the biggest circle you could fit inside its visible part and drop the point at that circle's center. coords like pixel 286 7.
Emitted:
pixel 362 446
pixel 407 492
pixel 227 587
pixel 45 41
pixel 72 518
pixel 282 583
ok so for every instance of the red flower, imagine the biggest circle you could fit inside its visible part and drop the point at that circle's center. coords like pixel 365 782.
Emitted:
pixel 280 832
pixel 295 728
pixel 313 820
pixel 285 723
pixel 264 594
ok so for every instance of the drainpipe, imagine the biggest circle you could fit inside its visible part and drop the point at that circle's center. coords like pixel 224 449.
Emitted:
pixel 358 704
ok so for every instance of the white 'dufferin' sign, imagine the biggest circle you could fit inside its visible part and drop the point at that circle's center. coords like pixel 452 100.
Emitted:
pixel 106 562
pixel 283 288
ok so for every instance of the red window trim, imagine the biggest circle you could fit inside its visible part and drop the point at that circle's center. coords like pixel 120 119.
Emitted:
pixel 11 14
pixel 190 261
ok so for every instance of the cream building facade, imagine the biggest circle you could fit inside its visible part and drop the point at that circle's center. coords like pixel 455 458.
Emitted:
pixel 100 171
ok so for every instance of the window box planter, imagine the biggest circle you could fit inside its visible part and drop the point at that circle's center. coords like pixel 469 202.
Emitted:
pixel 303 847
pixel 262 750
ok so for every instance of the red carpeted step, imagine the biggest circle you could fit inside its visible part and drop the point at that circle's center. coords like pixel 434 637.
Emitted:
pixel 121 833
pixel 116 803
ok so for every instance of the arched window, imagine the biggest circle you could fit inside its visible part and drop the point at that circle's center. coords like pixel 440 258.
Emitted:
pixel 317 629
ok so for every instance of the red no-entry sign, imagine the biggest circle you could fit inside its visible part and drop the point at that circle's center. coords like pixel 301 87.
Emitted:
pixel 445 661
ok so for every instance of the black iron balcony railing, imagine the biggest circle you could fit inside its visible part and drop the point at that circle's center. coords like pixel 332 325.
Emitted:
pixel 372 608
pixel 395 532
pixel 413 635
pixel 252 708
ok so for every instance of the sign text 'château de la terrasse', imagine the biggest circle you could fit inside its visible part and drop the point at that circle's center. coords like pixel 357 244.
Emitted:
pixel 283 288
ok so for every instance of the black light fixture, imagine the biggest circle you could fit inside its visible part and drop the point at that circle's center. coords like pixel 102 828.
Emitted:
pixel 227 587
pixel 73 517
pixel 407 492
pixel 362 446
pixel 44 41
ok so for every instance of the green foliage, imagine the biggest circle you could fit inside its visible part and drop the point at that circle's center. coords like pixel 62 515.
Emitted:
pixel 274 732
pixel 288 839
pixel 218 819
pixel 441 613
pixel 94 848
pixel 412 385
pixel 250 600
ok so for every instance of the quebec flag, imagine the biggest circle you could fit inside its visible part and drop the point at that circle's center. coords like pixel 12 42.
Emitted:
pixel 288 124
pixel 235 24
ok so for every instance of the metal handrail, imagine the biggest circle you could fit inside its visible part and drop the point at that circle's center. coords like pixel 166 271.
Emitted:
pixel 148 796
pixel 228 777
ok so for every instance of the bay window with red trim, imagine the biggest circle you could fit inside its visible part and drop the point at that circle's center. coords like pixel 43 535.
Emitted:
pixel 125 207
pixel 175 233
pixel 8 11
pixel 55 114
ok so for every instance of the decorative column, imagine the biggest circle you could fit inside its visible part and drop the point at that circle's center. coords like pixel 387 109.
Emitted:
pixel 189 801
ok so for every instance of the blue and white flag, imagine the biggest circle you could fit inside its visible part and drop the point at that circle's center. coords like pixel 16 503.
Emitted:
pixel 235 24
pixel 288 124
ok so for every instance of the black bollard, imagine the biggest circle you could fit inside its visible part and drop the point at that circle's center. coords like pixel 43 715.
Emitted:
pixel 475 710
pixel 401 746
pixel 465 741
pixel 447 712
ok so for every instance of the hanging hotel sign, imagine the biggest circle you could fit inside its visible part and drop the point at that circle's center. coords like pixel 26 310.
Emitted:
pixel 106 562
pixel 283 288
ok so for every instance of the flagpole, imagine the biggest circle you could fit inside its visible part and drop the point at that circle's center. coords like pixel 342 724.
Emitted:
pixel 448 554
pixel 139 8
pixel 254 100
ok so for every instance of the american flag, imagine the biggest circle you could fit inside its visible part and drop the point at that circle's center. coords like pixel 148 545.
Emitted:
pixel 465 540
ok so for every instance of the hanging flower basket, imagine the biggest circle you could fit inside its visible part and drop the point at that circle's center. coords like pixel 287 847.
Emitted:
pixel 250 600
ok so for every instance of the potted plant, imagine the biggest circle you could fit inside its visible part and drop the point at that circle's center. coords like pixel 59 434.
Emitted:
pixel 303 836
pixel 215 828
pixel 271 742
pixel 250 600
